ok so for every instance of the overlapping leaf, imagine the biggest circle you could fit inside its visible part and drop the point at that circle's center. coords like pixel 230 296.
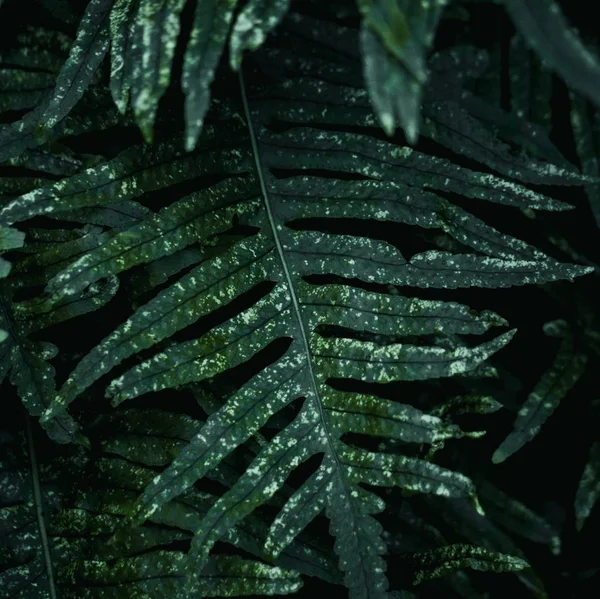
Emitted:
pixel 554 384
pixel 395 38
pixel 53 541
pixel 438 562
pixel 544 27
pixel 588 491
pixel 307 295
pixel 76 74
pixel 586 127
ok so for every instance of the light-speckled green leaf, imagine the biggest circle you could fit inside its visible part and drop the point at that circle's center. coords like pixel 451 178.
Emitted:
pixel 257 19
pixel 157 30
pixel 173 309
pixel 28 364
pixel 381 160
pixel 80 68
pixel 442 561
pixel 304 297
pixel 135 171
pixel 194 218
pixel 76 74
pixel 123 22
pixel 161 573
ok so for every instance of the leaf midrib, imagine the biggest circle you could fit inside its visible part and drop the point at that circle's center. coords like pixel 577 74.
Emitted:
pixel 330 442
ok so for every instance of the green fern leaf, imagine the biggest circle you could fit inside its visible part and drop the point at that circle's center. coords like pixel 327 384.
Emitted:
pixel 467 404
pixel 157 30
pixel 586 127
pixel 39 49
pixel 38 516
pixel 27 564
pixel 252 26
pixel 567 368
pixel 162 573
pixel 56 252
pixel 514 516
pixel 262 269
pixel 477 528
pixel 210 28
pixel 76 74
pixel 173 228
pixel 21 89
pixel 299 278
pixel 588 491
pixel 311 148
pixel 54 161
pixel 9 239
pixel 30 371
pixel 135 171
pixel 394 39
pixel 123 50
pixel 85 57
pixel 196 360
pixel 544 27
pixel 149 438
pixel 439 562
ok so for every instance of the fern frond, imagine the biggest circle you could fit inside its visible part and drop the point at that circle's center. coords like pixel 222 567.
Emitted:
pixel 479 529
pixel 27 363
pixel 134 172
pixel 280 257
pixel 76 74
pixel 212 21
pixel 9 239
pixel 39 514
pixel 517 518
pixel 394 38
pixel 543 25
pixel 588 491
pixel 567 368
pixel 438 562
pixel 297 290
pixel 293 283
pixel 586 125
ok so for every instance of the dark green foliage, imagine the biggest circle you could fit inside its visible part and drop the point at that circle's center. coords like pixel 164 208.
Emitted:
pixel 272 326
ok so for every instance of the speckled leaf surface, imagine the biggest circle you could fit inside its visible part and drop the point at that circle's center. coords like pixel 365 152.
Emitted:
pixel 252 25
pixel 37 518
pixel 440 562
pixel 370 350
pixel 287 291
pixel 76 74
pixel 135 171
pixel 27 364
pixel 122 27
pixel 157 30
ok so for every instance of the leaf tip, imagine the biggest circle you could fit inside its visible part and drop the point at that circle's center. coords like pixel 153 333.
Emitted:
pixel 499 456
pixel 387 123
